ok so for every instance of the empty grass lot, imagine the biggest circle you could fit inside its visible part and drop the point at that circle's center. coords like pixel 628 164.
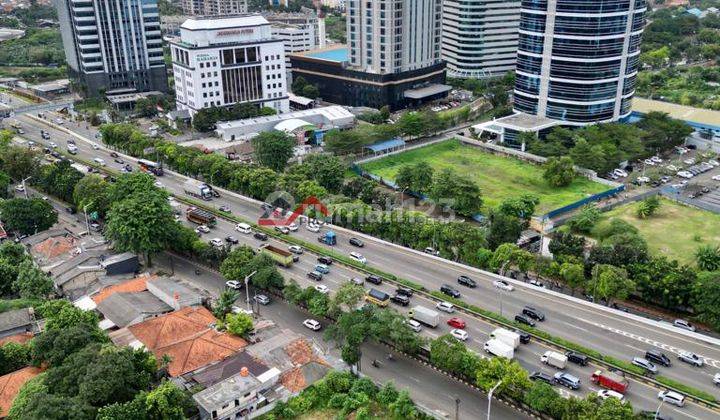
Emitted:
pixel 497 176
pixel 673 231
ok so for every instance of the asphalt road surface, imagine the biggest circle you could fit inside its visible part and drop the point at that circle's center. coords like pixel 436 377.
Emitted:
pixel 610 332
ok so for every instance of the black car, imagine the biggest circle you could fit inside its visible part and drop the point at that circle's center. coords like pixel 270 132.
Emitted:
pixel 112 154
pixel 533 313
pixel 357 242
pixel 120 161
pixel 524 320
pixel 658 357
pixel 372 278
pixel 55 154
pixel 70 210
pixel 450 291
pixel 315 275
pixel 231 239
pixel 325 260
pixel 400 299
pixel 467 281
pixel 541 376
pixel 524 337
pixel 577 358
pixel 404 291
pixel 260 235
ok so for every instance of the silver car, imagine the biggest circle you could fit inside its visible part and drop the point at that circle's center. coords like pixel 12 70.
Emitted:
pixel 681 323
pixel 645 364
pixel 262 299
pixel 691 358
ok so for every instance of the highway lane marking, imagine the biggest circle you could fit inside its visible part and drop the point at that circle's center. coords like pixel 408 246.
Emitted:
pixel 575 326
pixel 684 414
pixel 712 362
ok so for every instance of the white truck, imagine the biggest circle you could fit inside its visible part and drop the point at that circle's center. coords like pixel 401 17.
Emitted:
pixel 555 359
pixel 499 348
pixel 508 337
pixel 198 189
pixel 425 316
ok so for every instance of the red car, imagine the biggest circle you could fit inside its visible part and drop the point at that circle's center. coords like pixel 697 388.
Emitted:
pixel 456 322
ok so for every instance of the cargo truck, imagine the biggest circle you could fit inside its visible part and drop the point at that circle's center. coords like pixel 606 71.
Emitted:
pixel 499 348
pixel 610 380
pixel 377 297
pixel 328 238
pixel 198 189
pixel 425 316
pixel 201 217
pixel 555 359
pixel 282 257
pixel 508 337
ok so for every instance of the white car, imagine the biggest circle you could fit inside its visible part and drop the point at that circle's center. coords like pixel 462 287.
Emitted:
pixel 691 358
pixel 681 323
pixel 716 379
pixel 99 161
pixel 713 162
pixel 415 326
pixel 158 184
pixel 716 178
pixel 643 179
pixel 322 289
pixel 690 161
pixel 446 307
pixel 295 249
pixel 672 397
pixel 502 284
pixel 620 173
pixel 238 310
pixel 312 324
pixel 685 174
pixel 459 334
pixel 59 121
pixel 313 228
pixel 19 188
pixel 656 159
pixel 358 257
pixel 609 393
pixel 649 162
pixel 53 145
pixel 233 284
pixel 681 150
pixel 95 146
pixel 357 280
pixel 671 168
pixel 293 227
pixel 202 229
pixel 216 242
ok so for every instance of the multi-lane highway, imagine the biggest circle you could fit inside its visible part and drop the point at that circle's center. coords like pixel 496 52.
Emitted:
pixel 610 332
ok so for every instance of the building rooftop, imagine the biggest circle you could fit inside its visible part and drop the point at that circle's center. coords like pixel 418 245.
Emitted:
pixel 224 369
pixel 131 97
pixel 213 23
pixel 426 91
pixel 335 53
pixel 680 112
pixel 173 292
pixel 227 390
pixel 10 385
pixel 188 337
pixel 124 308
pixel 55 85
pixel 332 113
pixel 17 318
pixel 20 338
pixel 138 284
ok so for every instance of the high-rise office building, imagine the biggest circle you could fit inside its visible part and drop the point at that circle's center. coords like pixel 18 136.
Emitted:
pixel 214 7
pixel 393 36
pixel 578 59
pixel 113 45
pixel 480 37
pixel 223 62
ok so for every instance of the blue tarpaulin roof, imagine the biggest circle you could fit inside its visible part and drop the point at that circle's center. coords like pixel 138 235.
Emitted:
pixel 386 145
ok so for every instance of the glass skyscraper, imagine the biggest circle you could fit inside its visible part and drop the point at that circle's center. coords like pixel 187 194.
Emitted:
pixel 578 59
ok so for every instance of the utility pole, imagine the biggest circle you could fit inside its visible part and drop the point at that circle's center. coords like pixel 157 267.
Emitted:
pixel 490 398
pixel 247 289
pixel 457 408
pixel 24 188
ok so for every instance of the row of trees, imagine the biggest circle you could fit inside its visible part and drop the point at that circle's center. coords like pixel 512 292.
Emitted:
pixel 602 147
pixel 87 377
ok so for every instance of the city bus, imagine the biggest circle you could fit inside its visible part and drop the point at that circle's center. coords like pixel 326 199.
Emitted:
pixel 150 166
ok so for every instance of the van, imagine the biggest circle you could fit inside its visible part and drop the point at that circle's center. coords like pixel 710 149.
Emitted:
pixel 243 228
pixel 567 380
pixel 577 358
pixel 658 357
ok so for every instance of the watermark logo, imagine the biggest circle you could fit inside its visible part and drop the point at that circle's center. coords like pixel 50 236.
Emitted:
pixel 276 215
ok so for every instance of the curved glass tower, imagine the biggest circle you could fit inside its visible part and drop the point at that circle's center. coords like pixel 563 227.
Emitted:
pixel 578 59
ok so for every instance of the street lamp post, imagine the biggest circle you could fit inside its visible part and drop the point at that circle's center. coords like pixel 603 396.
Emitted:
pixel 490 398
pixel 247 289
pixel 457 408
pixel 502 272
pixel 87 222
pixel 657 411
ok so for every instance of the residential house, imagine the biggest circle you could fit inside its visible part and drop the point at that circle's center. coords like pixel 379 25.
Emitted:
pixel 174 293
pixel 18 321
pixel 125 309
pixel 238 396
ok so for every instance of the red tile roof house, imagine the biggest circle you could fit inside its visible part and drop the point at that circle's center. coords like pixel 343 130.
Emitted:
pixel 188 336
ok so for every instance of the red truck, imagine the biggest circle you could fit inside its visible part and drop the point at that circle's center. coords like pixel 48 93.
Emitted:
pixel 610 380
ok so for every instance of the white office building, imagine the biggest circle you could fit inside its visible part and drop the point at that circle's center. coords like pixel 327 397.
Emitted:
pixel 223 62
pixel 480 37
pixel 214 7
pixel 113 45
pixel 393 36
pixel 295 38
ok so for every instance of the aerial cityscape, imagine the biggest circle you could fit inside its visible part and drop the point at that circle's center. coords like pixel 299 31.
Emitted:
pixel 359 209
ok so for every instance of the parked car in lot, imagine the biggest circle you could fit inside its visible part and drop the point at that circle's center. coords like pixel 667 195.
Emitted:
pixel 691 358
pixel 357 242
pixel 262 299
pixel 672 397
pixel 504 285
pixel 467 281
pixel 533 313
pixel 645 364
pixel 542 377
pixel 312 324
pixel 450 291
pixel 567 380
pixel 233 284
pixel 685 174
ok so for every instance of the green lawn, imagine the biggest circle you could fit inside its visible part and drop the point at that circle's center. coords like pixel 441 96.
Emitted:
pixel 498 177
pixel 674 229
